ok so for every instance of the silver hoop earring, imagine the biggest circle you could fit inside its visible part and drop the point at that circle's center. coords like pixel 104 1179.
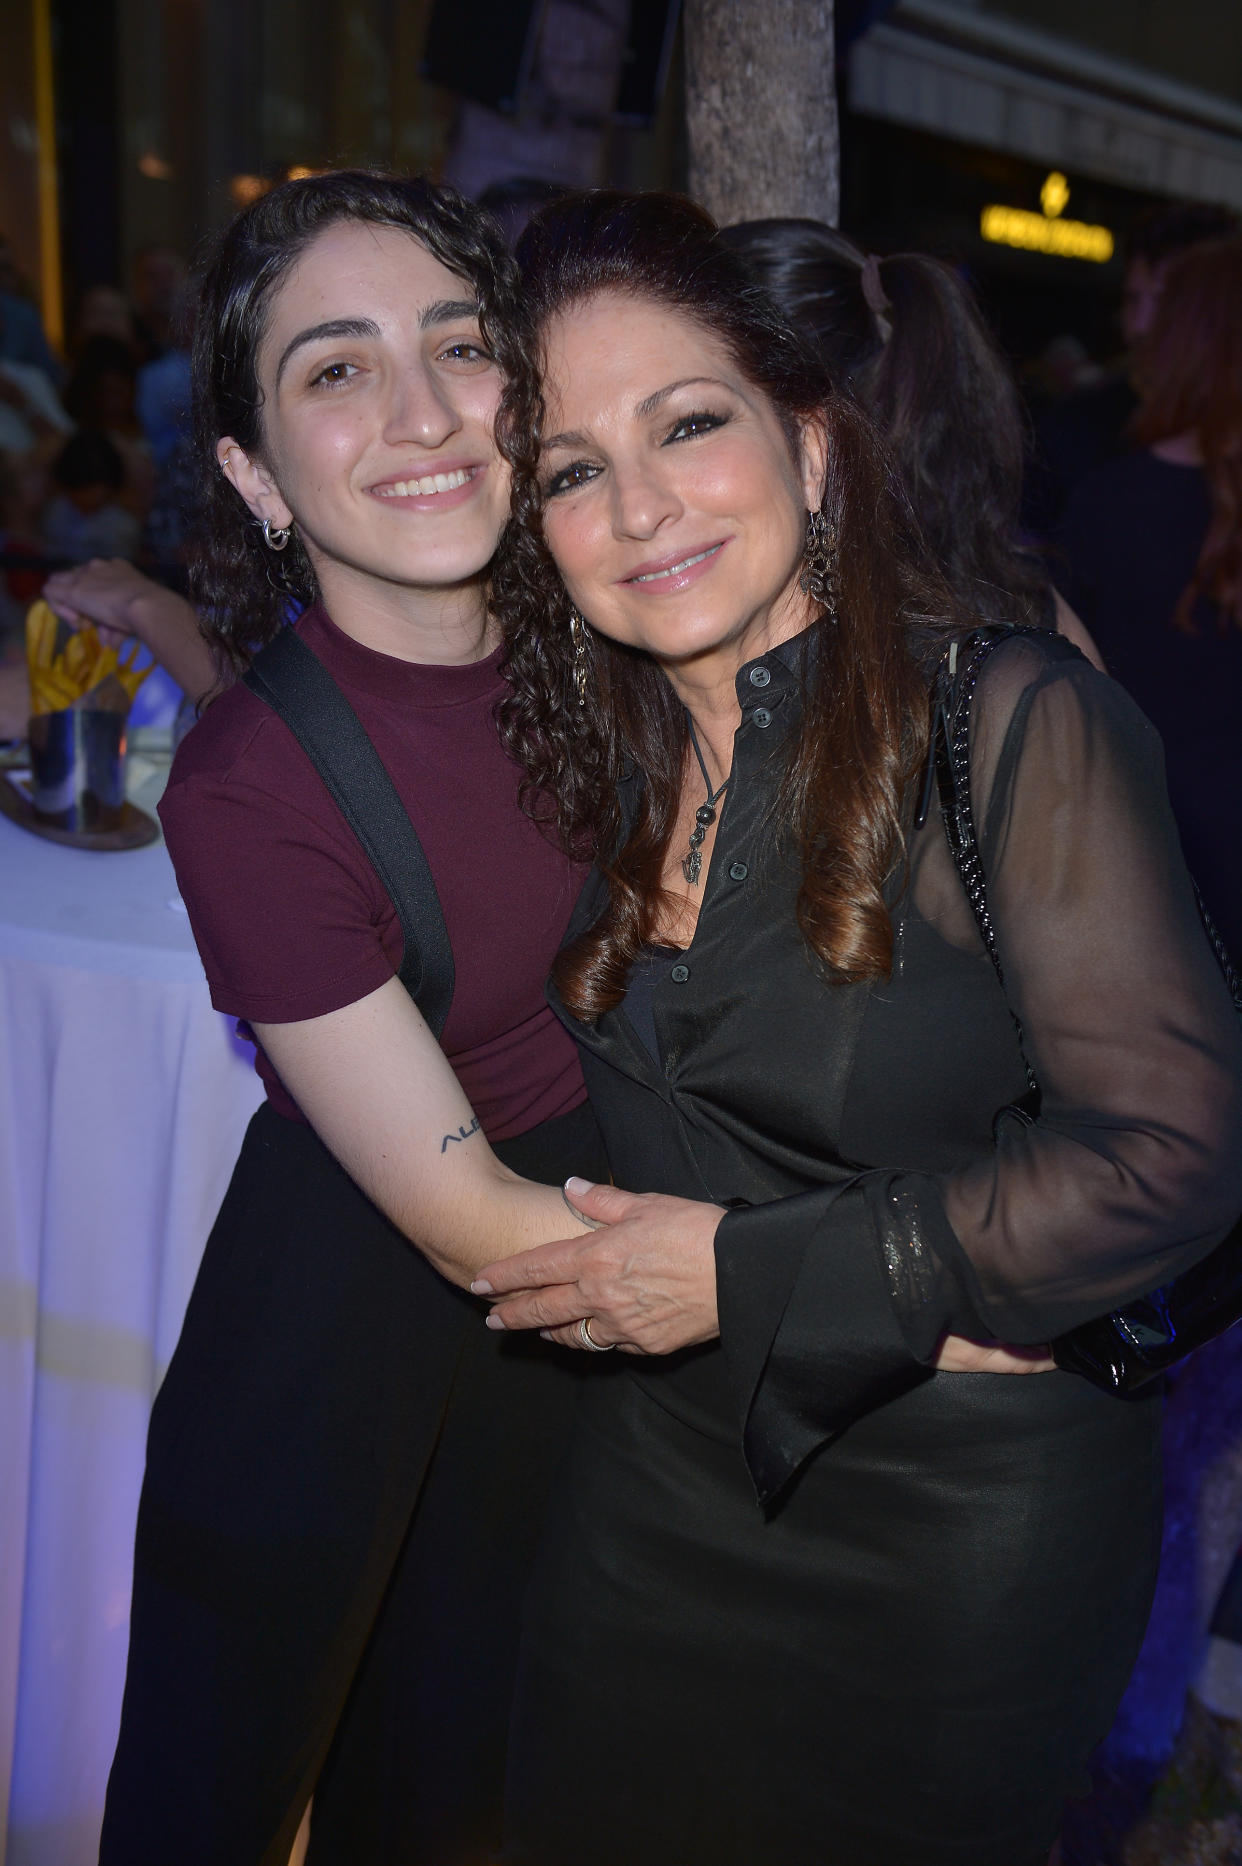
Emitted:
pixel 582 653
pixel 276 536
pixel 820 563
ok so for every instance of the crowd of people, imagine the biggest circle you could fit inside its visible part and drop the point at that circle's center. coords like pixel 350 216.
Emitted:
pixel 634 573
pixel 92 446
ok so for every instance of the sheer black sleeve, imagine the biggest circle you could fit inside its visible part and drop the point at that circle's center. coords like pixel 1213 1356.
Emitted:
pixel 835 1300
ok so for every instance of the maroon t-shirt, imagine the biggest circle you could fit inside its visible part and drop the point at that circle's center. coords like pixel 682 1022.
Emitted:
pixel 290 917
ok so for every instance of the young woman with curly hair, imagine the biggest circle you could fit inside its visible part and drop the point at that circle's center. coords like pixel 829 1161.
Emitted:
pixel 326 1498
pixel 807 1594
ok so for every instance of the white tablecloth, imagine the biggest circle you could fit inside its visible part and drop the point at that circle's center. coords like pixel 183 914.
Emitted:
pixel 123 1100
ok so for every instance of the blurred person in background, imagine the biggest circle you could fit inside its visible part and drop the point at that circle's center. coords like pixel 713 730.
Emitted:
pixel 103 311
pixel 33 421
pixel 20 577
pixel 101 397
pixel 1082 430
pixel 22 337
pixel 163 397
pixel 1063 367
pixel 907 337
pixel 86 515
pixel 1152 546
pixel 157 289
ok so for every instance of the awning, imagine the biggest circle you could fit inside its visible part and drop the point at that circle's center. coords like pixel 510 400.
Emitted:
pixel 981 79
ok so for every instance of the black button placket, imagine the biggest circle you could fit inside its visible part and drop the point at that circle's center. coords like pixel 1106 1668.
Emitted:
pixel 764 689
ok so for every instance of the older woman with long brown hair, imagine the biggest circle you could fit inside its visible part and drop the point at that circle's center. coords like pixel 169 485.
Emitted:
pixel 806 1598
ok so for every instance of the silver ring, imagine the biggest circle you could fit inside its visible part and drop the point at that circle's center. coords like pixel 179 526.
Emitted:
pixel 588 1340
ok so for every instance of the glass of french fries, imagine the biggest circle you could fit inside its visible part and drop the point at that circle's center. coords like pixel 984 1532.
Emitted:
pixel 80 696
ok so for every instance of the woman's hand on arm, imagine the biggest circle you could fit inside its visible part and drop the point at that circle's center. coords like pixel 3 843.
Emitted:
pixel 378 1090
pixel 646 1281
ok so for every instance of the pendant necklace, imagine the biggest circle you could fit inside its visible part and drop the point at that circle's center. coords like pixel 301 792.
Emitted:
pixel 692 860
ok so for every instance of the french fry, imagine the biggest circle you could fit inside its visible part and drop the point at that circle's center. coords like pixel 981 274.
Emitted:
pixel 50 691
pixel 42 627
pixel 132 678
pixel 59 681
pixel 105 664
pixel 77 657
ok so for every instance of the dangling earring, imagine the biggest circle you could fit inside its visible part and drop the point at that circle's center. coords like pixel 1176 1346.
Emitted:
pixel 276 536
pixel 582 653
pixel 819 563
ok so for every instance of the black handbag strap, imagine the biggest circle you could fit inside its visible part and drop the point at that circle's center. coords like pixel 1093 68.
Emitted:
pixel 290 678
pixel 949 756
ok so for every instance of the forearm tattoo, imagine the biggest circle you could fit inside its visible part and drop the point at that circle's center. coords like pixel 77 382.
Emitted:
pixel 463 1133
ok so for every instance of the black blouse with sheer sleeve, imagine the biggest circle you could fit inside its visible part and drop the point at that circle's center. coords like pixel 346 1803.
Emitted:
pixel 882 1193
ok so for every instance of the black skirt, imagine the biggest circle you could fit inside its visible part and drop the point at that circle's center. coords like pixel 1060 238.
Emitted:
pixel 346 1473
pixel 906 1664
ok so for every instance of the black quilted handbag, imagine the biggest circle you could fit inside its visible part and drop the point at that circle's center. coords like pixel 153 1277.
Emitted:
pixel 1150 1334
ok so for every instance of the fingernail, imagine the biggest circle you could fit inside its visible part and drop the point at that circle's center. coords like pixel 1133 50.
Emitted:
pixel 494 1321
pixel 578 1188
pixel 481 1287
pixel 545 1334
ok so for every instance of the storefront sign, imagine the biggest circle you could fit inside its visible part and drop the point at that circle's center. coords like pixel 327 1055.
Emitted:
pixel 1044 233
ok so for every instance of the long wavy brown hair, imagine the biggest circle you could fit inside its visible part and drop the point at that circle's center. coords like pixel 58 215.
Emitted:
pixel 850 768
pixel 1190 380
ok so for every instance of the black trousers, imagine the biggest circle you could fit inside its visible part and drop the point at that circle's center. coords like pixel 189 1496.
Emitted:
pixel 345 1481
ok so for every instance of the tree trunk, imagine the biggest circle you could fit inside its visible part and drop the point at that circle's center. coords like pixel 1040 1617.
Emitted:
pixel 761 108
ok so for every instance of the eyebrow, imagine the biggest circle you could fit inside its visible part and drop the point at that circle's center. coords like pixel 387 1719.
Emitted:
pixel 652 402
pixel 315 333
pixel 443 311
pixel 648 406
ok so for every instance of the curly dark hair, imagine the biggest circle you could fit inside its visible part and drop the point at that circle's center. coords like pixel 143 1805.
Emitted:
pixel 243 591
pixel 934 380
pixel 849 769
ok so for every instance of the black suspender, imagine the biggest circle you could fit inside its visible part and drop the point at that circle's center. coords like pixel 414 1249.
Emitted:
pixel 291 679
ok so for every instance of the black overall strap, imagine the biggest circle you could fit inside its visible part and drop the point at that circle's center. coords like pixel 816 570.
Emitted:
pixel 291 679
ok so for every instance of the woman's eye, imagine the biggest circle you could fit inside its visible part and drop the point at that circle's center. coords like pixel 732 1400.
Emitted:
pixel 334 374
pixel 576 475
pixel 701 423
pixel 467 351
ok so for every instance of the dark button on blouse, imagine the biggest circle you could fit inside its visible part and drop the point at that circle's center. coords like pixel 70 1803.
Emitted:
pixel 738 871
pixel 760 676
pixel 761 717
pixel 679 974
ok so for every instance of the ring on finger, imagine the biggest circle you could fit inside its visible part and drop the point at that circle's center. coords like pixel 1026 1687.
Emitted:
pixel 588 1339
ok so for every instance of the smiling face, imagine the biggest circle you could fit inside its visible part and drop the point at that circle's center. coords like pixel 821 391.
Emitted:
pixel 378 399
pixel 676 509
